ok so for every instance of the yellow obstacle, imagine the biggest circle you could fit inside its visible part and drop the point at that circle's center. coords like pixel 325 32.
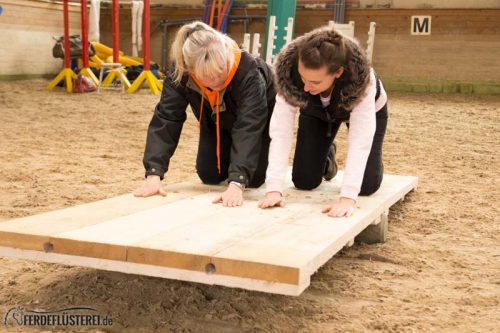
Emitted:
pixel 116 72
pixel 88 73
pixel 155 85
pixel 104 55
pixel 96 62
pixel 104 50
pixel 127 61
pixel 66 74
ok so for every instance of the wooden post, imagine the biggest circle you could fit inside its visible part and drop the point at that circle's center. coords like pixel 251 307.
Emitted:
pixel 375 233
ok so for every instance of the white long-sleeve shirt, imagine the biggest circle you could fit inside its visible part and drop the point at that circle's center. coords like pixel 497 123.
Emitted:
pixel 362 124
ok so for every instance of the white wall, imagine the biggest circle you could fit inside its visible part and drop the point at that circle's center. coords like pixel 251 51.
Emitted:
pixel 27 28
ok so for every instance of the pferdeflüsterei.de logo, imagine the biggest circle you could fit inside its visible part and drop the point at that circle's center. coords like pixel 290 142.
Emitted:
pixel 70 317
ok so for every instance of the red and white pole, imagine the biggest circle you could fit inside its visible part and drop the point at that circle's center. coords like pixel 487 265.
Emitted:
pixel 115 17
pixel 66 35
pixel 85 34
pixel 146 28
pixel 66 75
pixel 146 74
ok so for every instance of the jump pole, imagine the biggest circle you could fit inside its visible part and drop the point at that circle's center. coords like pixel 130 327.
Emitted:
pixel 117 71
pixel 276 35
pixel 146 75
pixel 85 44
pixel 67 73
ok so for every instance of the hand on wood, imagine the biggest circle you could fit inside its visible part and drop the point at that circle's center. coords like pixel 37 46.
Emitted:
pixel 232 197
pixel 272 199
pixel 151 186
pixel 344 207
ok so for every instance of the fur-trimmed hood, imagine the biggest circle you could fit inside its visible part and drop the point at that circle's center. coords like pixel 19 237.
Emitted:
pixel 352 83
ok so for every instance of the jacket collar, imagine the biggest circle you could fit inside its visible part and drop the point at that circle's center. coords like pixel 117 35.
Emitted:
pixel 351 85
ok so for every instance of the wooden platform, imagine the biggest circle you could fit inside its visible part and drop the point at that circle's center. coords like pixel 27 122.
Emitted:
pixel 186 237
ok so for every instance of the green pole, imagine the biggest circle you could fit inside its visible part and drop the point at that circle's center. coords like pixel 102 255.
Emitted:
pixel 282 9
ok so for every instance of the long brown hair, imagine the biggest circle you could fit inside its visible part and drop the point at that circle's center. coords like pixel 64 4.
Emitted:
pixel 325 48
pixel 320 47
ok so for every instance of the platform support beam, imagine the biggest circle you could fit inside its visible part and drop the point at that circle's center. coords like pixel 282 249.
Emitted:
pixel 375 233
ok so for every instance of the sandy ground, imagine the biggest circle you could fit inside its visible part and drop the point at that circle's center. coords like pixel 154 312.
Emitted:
pixel 439 271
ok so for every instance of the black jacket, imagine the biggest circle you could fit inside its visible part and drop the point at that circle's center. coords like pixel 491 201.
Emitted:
pixel 249 100
pixel 334 112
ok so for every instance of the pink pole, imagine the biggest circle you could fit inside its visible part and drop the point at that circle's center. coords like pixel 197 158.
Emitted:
pixel 146 35
pixel 116 30
pixel 85 34
pixel 66 35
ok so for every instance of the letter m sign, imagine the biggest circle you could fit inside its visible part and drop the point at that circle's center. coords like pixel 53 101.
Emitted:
pixel 420 25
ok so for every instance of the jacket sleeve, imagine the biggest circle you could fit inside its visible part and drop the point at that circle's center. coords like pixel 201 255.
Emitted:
pixel 251 119
pixel 281 133
pixel 360 137
pixel 164 129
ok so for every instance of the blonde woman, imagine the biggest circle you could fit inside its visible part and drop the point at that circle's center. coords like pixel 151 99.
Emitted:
pixel 231 94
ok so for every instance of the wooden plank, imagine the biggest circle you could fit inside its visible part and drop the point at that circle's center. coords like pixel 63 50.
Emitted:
pixel 275 250
pixel 37 229
pixel 109 239
pixel 156 271
pixel 205 237
pixel 288 239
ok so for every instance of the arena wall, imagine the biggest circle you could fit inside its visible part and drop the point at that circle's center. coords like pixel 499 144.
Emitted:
pixel 27 30
pixel 461 54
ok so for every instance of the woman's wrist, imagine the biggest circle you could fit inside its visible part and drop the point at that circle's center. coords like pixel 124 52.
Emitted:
pixel 238 185
pixel 347 200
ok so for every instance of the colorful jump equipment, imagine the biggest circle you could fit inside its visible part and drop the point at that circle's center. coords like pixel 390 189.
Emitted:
pixel 146 75
pixel 106 57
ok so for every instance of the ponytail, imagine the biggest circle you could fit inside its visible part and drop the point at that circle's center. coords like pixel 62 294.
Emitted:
pixel 176 52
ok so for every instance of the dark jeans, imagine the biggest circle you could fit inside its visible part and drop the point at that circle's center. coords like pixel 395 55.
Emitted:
pixel 206 161
pixel 312 149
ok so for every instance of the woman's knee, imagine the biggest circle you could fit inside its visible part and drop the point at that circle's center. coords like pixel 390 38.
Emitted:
pixel 257 181
pixel 210 178
pixel 306 184
pixel 370 187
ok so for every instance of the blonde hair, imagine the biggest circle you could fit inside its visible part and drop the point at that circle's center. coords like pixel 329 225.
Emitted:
pixel 202 50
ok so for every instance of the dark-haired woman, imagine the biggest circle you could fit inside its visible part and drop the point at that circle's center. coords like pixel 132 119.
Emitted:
pixel 328 76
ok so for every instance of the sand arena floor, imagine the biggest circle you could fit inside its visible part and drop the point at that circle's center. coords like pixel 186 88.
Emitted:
pixel 439 270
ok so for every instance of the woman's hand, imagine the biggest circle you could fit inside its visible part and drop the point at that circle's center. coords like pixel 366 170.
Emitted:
pixel 151 186
pixel 232 197
pixel 272 199
pixel 344 207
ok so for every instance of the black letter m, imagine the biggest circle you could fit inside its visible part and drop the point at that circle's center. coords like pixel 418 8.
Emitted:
pixel 421 25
